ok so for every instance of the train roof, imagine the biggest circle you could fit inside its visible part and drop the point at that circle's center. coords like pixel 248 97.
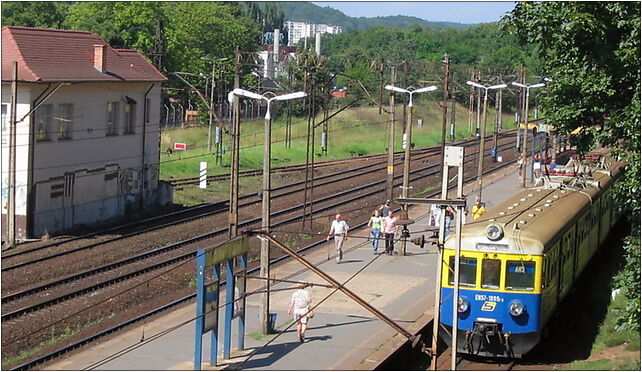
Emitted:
pixel 536 216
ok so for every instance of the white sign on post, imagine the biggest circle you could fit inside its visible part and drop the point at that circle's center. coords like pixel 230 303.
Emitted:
pixel 203 176
pixel 454 156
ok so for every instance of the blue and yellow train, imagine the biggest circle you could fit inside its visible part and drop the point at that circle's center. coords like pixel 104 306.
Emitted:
pixel 519 262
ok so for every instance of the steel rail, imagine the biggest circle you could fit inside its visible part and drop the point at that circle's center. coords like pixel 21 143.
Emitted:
pixel 61 351
pixel 157 251
pixel 221 207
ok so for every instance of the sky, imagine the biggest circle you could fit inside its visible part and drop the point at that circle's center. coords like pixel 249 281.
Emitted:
pixel 449 11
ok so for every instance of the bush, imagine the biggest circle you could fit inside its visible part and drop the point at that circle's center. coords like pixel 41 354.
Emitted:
pixel 628 279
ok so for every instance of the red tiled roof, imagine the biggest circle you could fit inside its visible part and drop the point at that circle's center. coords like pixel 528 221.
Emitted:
pixel 47 55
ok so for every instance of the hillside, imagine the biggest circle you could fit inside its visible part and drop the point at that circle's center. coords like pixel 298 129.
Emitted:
pixel 308 12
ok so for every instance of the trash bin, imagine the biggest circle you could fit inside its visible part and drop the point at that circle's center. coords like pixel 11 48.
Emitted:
pixel 272 322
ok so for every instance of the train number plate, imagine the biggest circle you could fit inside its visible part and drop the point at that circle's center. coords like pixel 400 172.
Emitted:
pixel 492 247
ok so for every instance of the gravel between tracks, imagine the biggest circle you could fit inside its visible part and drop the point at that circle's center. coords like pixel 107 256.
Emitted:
pixel 108 308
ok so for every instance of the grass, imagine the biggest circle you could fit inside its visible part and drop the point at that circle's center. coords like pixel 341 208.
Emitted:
pixel 618 364
pixel 67 332
pixel 608 336
pixel 352 132
pixel 358 131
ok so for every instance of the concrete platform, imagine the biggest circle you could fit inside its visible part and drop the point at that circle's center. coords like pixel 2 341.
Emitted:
pixel 342 335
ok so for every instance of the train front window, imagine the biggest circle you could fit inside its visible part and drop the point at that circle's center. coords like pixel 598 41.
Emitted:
pixel 491 273
pixel 467 271
pixel 520 275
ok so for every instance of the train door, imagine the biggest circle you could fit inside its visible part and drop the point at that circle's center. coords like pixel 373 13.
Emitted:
pixel 550 283
pixel 566 262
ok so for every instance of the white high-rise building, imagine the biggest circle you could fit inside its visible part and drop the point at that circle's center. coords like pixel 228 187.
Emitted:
pixel 298 30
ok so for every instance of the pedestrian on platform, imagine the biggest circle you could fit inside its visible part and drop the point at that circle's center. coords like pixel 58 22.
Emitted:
pixel 520 166
pixel 300 307
pixel 536 167
pixel 384 209
pixel 390 230
pixel 478 210
pixel 338 229
pixel 435 214
pixel 450 216
pixel 375 229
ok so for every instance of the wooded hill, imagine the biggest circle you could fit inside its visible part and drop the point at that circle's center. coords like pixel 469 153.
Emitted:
pixel 308 12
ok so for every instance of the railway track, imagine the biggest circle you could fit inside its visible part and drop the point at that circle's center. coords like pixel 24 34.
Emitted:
pixel 199 212
pixel 371 189
pixel 12 311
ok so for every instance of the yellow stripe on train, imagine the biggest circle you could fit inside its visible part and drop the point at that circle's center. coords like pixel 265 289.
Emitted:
pixel 490 282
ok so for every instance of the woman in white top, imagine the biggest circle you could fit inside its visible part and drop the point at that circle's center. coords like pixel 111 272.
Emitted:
pixel 299 307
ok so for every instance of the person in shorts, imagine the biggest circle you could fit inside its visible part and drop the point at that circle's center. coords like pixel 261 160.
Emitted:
pixel 299 308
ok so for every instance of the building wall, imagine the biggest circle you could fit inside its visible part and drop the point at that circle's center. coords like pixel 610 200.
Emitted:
pixel 94 170
pixel 22 157
pixel 299 30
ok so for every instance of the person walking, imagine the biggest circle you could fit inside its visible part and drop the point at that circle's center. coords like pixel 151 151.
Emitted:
pixel 435 214
pixel 450 216
pixel 478 210
pixel 300 307
pixel 375 229
pixel 384 209
pixel 390 229
pixel 339 229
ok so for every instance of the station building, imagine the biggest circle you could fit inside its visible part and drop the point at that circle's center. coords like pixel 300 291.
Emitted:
pixel 87 130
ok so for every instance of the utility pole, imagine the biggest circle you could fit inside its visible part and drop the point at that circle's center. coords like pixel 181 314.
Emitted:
pixel 209 126
pixel 471 103
pixel 445 110
pixel 234 163
pixel 391 137
pixel 498 114
pixel 525 121
pixel 264 298
pixel 11 205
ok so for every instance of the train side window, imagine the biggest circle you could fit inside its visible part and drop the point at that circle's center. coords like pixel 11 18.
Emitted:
pixel 467 271
pixel 491 271
pixel 520 276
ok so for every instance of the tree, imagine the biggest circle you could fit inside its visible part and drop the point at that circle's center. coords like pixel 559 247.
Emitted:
pixel 130 24
pixel 591 51
pixel 43 14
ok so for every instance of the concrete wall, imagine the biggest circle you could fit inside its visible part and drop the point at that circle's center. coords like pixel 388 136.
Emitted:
pixel 22 157
pixel 91 176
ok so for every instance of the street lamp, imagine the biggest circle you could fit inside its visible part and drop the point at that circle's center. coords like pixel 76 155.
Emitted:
pixel 264 308
pixel 528 88
pixel 406 161
pixel 480 161
pixel 209 128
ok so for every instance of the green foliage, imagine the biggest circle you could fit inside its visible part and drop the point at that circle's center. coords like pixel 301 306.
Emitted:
pixel 628 279
pixel 483 44
pixel 121 24
pixel 44 14
pixel 591 51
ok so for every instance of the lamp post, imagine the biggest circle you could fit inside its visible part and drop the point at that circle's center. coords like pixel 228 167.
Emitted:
pixel 528 88
pixel 406 160
pixel 480 161
pixel 264 308
pixel 209 128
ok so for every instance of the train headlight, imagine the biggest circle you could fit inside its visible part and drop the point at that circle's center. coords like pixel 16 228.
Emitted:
pixel 462 304
pixel 516 308
pixel 494 232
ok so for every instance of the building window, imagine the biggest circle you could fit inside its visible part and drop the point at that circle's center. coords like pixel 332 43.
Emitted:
pixel 130 116
pixel 65 120
pixel 44 120
pixel 112 118
pixel 5 117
